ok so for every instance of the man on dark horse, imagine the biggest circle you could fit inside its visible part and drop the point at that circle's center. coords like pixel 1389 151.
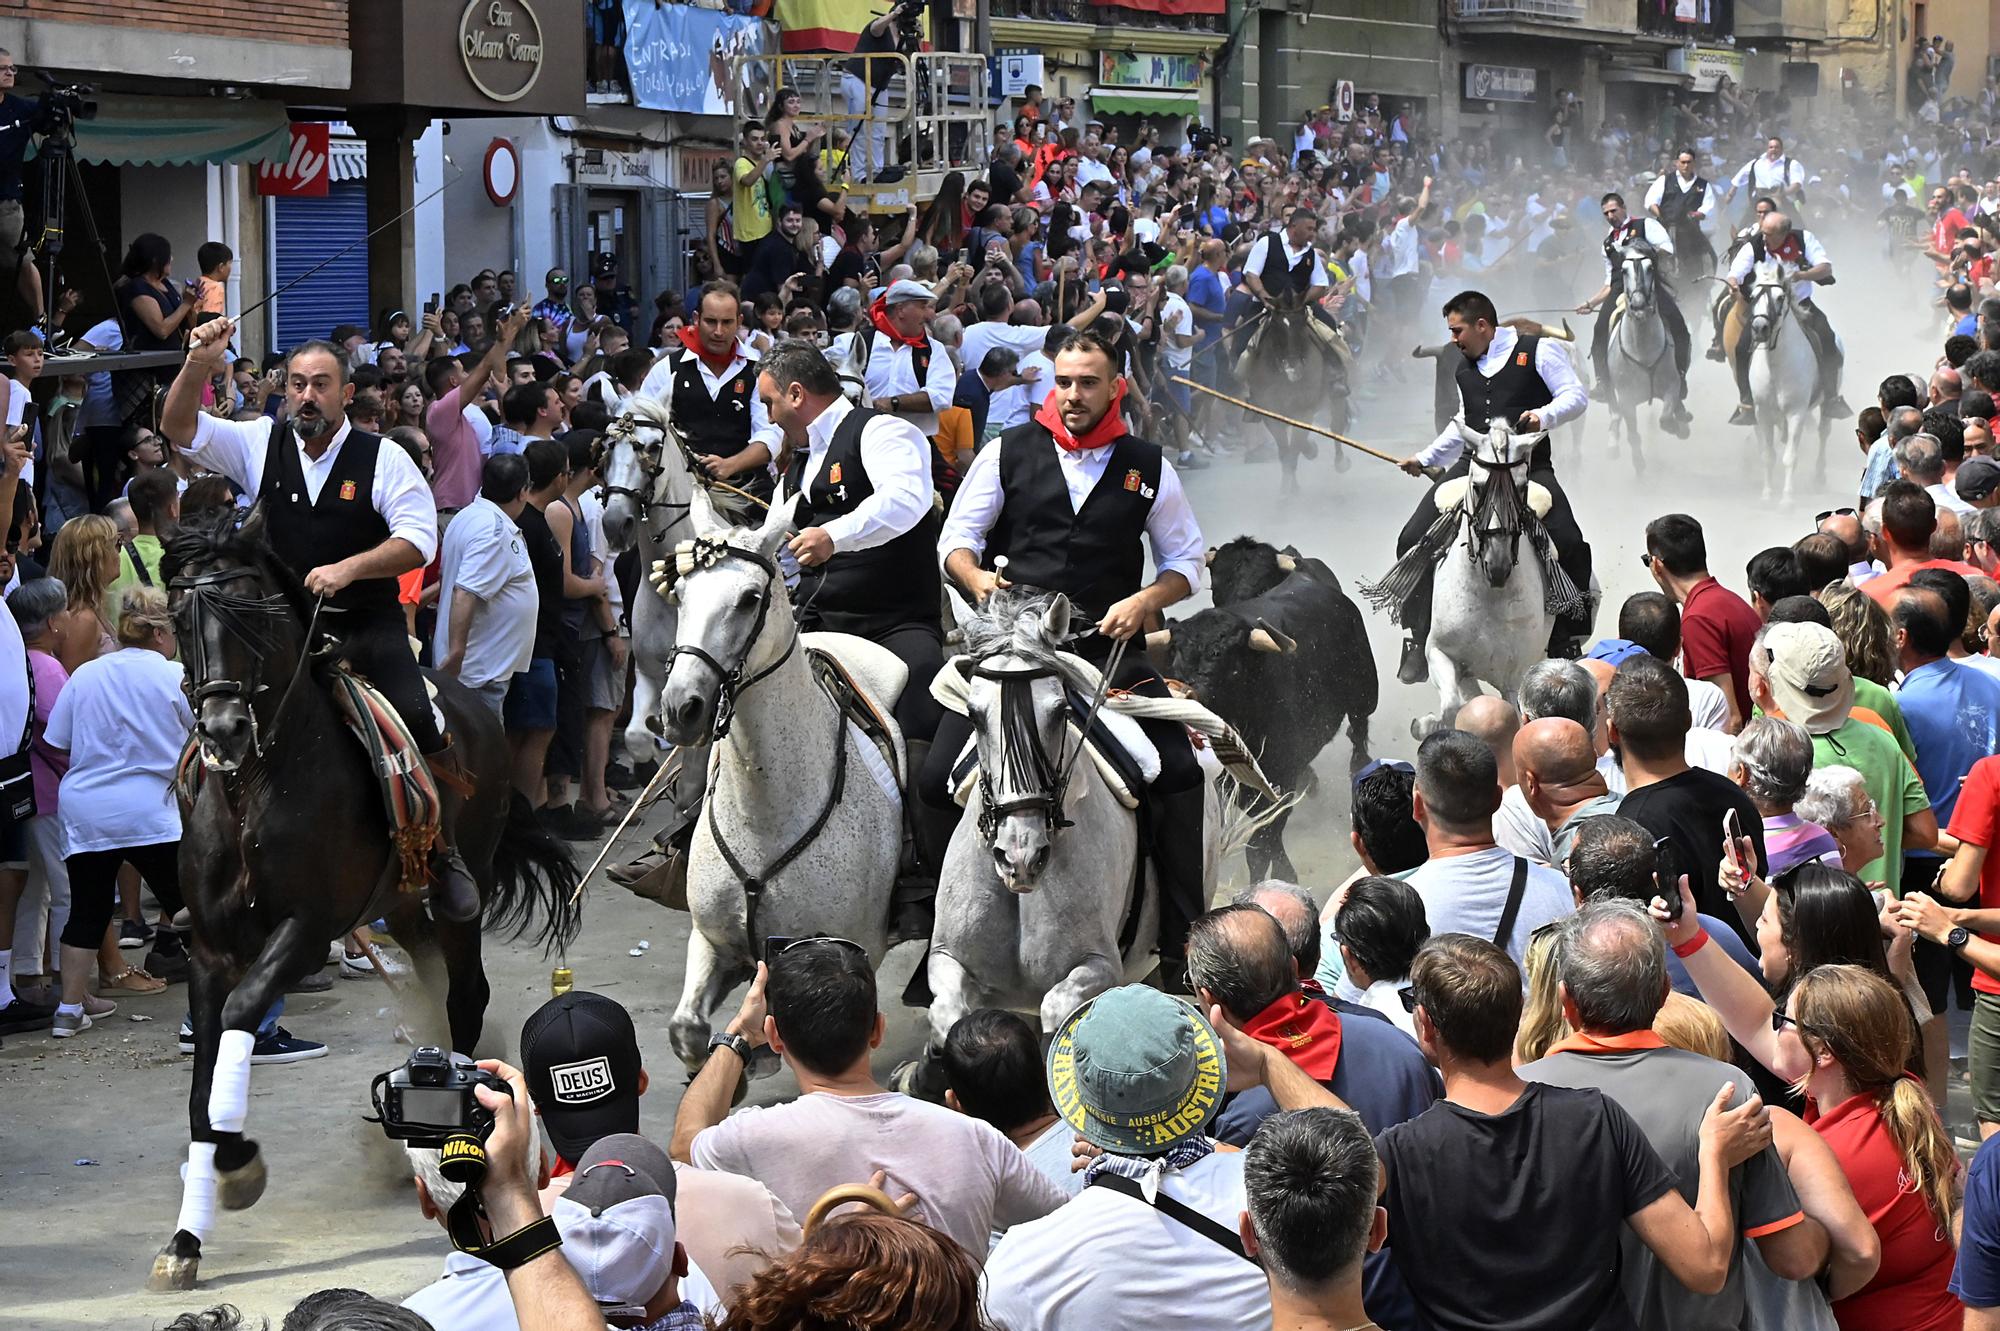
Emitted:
pixel 1529 382
pixel 1805 262
pixel 1627 230
pixel 709 384
pixel 1284 270
pixel 1071 500
pixel 348 514
pixel 1682 200
pixel 867 535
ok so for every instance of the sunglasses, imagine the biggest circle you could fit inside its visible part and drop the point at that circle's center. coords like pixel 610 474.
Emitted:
pixel 1409 997
pixel 1646 559
pixel 793 944
pixel 1834 513
pixel 1781 1019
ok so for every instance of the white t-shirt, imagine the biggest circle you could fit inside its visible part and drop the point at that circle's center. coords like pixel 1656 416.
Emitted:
pixel 124 720
pixel 13 684
pixel 968 1179
pixel 1176 318
pixel 485 554
pixel 1110 1261
pixel 592 509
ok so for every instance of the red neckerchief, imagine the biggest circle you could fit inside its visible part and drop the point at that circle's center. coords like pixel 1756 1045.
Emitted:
pixel 1793 250
pixel 879 313
pixel 1108 430
pixel 691 339
pixel 1302 1029
pixel 562 1168
pixel 1584 1043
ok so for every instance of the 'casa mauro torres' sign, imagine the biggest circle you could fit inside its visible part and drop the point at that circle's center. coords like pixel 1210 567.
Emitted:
pixel 500 42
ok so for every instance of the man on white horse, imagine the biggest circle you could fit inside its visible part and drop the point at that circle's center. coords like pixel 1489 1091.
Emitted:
pixel 1071 500
pixel 1529 382
pixel 1682 200
pixel 1627 230
pixel 1774 173
pixel 1761 207
pixel 1805 261
pixel 709 383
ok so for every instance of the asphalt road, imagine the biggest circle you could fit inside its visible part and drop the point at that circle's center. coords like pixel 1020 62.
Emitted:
pixel 92 1130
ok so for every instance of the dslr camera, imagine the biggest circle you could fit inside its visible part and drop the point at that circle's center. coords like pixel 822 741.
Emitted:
pixel 429 1101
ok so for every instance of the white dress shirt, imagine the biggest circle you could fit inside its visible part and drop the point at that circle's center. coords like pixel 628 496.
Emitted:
pixel 1656 193
pixel 1261 250
pixel 897 460
pixel 1551 362
pixel 1170 528
pixel 659 386
pixel 237 450
pixel 1015 406
pixel 1767 177
pixel 1404 252
pixel 892 372
pixel 1650 230
pixel 1010 406
pixel 1740 269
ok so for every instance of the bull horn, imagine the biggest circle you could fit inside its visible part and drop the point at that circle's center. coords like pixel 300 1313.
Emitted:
pixel 1159 640
pixel 1286 563
pixel 1208 557
pixel 1264 638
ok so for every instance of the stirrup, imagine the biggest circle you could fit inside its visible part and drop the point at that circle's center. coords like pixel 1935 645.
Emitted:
pixel 1415 667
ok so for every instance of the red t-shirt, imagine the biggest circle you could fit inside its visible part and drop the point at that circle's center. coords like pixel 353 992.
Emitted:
pixel 1944 232
pixel 1882 589
pixel 1717 627
pixel 1910 1292
pixel 1975 820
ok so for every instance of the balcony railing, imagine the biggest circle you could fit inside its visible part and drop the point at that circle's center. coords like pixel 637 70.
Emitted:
pixel 1567 11
pixel 1720 24
pixel 1102 15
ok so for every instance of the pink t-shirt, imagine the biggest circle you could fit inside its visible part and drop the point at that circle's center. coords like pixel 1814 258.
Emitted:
pixel 46 764
pixel 454 451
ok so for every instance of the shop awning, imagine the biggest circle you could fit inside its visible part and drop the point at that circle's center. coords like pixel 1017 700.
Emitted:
pixel 1145 102
pixel 1667 78
pixel 174 131
pixel 348 159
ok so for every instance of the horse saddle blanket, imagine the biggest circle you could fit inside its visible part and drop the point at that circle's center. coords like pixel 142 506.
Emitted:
pixel 1450 494
pixel 866 679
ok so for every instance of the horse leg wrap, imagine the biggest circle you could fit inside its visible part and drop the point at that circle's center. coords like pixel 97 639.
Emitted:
pixel 229 1091
pixel 198 1190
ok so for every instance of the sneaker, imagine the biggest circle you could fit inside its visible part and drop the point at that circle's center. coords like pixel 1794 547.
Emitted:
pixel 134 933
pixel 25 1015
pixel 93 1006
pixel 1190 461
pixel 356 968
pixel 281 1046
pixel 64 1025
pixel 620 777
pixel 186 1037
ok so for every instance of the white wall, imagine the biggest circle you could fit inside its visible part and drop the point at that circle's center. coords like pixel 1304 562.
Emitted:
pixel 430 217
pixel 174 201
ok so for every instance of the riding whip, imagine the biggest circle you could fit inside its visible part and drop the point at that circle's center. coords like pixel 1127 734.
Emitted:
pixel 1287 420
pixel 645 796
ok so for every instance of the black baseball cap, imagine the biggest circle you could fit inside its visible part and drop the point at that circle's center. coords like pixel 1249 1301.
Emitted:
pixel 581 1056
pixel 1977 478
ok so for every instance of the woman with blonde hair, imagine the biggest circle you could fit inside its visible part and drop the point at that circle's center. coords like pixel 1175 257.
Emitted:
pixel 1854 1034
pixel 1542 1023
pixel 85 557
pixel 864 1272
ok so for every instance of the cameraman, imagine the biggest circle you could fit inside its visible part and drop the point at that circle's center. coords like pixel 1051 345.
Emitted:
pixel 20 120
pixel 897 32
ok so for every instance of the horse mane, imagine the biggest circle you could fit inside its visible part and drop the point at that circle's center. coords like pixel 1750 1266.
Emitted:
pixel 651 411
pixel 1011 624
pixel 230 534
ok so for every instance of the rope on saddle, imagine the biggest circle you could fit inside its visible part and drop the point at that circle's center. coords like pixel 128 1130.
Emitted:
pixel 1391 593
pixel 409 792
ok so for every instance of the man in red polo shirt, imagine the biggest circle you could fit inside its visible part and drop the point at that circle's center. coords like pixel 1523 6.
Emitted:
pixel 1717 625
pixel 1909 516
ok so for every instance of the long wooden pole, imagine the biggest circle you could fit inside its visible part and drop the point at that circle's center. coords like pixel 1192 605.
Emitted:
pixel 1300 425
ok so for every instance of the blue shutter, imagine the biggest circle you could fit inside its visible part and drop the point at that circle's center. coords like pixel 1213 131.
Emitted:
pixel 308 231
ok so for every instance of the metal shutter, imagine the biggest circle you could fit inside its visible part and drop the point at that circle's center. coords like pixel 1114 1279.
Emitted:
pixel 308 232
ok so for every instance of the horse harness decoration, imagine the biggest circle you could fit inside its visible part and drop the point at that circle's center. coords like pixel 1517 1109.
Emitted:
pixel 653 466
pixel 1044 782
pixel 255 621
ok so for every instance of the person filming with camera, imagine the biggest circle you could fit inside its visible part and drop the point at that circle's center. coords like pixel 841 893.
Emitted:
pixel 21 118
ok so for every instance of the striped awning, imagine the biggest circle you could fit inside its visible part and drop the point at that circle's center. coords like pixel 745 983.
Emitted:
pixel 175 131
pixel 349 159
pixel 1145 102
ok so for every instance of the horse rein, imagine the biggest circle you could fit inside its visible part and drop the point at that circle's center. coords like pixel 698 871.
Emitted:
pixel 202 594
pixel 1049 799
pixel 652 464
pixel 706 552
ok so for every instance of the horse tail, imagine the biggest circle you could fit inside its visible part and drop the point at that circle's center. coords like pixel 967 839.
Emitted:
pixel 533 875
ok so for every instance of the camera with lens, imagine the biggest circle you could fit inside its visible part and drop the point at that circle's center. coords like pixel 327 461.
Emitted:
pixel 909 25
pixel 429 1101
pixel 69 101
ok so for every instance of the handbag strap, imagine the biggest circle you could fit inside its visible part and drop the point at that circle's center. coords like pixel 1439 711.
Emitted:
pixel 1515 891
pixel 1179 1211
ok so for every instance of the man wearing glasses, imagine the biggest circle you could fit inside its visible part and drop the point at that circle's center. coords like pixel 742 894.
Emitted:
pixel 20 120
pixel 555 306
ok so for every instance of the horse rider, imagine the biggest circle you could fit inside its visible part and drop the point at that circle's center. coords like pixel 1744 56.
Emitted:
pixel 1774 173
pixel 1627 230
pixel 348 515
pixel 1528 381
pixel 1072 500
pixel 1805 261
pixel 1761 207
pixel 1682 200
pixel 910 374
pixel 1284 270
pixel 709 385
pixel 867 528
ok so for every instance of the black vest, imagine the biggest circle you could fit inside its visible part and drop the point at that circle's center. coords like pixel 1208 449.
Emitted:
pixel 718 426
pixel 342 524
pixel 1676 204
pixel 867 592
pixel 1278 278
pixel 1518 387
pixel 1632 229
pixel 1096 555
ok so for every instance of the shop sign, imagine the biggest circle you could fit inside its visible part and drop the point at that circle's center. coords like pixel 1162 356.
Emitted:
pixel 1499 83
pixel 1708 65
pixel 306 172
pixel 500 42
pixel 1015 70
pixel 1125 69
pixel 1343 100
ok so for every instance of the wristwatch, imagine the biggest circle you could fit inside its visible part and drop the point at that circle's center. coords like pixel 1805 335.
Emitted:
pixel 735 1044
pixel 1957 938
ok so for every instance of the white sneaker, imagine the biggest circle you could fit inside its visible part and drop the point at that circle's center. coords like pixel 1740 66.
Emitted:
pixel 356 968
pixel 68 1024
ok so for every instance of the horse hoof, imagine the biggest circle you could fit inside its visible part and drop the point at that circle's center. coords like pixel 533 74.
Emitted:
pixel 178 1265
pixel 238 1189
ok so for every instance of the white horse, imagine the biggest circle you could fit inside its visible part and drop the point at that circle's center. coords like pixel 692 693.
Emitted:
pixel 1640 353
pixel 1027 918
pixel 1489 616
pixel 802 830
pixel 1784 374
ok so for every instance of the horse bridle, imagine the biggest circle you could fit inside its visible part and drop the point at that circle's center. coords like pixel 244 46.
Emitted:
pixel 1783 287
pixel 1487 504
pixel 653 466
pixel 247 619
pixel 1047 780
pixel 707 552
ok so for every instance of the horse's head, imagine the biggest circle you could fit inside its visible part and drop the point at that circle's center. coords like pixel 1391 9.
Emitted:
pixel 1770 301
pixel 845 357
pixel 1636 266
pixel 237 619
pixel 1287 345
pixel 728 588
pixel 646 476
pixel 1498 476
pixel 1016 700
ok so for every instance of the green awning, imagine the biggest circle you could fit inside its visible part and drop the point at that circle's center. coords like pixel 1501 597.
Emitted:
pixel 1144 102
pixel 175 131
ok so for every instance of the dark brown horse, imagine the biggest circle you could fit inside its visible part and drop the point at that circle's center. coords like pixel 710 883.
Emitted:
pixel 287 844
pixel 1292 372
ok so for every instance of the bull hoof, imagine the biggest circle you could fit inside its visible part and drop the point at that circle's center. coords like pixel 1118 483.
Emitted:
pixel 238 1189
pixel 178 1265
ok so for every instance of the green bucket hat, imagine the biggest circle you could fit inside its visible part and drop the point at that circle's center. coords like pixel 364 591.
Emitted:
pixel 1136 1071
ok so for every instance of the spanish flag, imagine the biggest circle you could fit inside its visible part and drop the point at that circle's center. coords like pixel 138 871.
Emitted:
pixel 829 25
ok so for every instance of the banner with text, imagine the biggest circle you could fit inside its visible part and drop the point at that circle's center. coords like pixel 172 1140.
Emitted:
pixel 679 56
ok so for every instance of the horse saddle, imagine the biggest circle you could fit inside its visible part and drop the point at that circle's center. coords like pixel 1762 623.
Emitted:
pixel 866 679
pixel 1617 313
pixel 1450 494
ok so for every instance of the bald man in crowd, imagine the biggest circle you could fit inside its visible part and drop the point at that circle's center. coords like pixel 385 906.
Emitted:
pixel 1556 761
pixel 1495 721
pixel 1849 531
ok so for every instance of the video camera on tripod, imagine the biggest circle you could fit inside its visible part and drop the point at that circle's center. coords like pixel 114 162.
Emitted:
pixel 66 103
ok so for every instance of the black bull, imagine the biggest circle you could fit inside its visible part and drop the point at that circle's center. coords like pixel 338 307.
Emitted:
pixel 1288 688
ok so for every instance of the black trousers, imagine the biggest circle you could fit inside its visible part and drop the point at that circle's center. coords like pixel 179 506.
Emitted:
pixel 1670 314
pixel 1812 320
pixel 1572 551
pixel 377 644
pixel 93 887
